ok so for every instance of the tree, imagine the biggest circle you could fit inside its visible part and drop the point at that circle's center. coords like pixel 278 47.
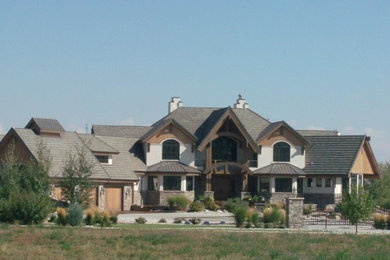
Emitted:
pixel 76 183
pixel 379 188
pixel 357 205
pixel 25 188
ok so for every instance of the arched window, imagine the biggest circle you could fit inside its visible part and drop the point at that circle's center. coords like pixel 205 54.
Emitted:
pixel 282 152
pixel 171 150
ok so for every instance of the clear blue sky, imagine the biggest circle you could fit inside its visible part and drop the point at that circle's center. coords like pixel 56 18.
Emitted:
pixel 314 64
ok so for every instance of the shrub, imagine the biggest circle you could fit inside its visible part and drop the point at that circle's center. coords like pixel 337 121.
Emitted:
pixel 105 220
pixel 61 216
pixel 282 214
pixel 89 217
pixel 162 220
pixel 255 219
pixel 279 205
pixel 75 214
pixel 97 217
pixel 196 206
pixel 267 212
pixel 380 221
pixel 178 202
pixel 240 216
pixel 232 204
pixel 210 204
pixel 114 219
pixel 307 210
pixel 140 220
pixel 52 219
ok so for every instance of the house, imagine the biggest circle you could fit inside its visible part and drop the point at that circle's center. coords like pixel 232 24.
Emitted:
pixel 220 152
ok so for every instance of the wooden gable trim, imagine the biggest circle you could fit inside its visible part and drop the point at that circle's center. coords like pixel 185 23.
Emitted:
pixel 284 124
pixel 213 132
pixel 364 155
pixel 170 123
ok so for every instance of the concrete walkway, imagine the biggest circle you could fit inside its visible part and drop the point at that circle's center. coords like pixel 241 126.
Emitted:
pixel 210 216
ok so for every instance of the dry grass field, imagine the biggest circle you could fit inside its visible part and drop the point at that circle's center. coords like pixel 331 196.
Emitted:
pixel 154 242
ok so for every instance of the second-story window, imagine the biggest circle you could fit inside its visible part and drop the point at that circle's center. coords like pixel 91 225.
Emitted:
pixel 224 150
pixel 281 152
pixel 171 150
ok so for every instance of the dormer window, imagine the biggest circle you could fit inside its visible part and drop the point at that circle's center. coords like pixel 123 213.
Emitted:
pixel 171 150
pixel 282 152
pixel 104 159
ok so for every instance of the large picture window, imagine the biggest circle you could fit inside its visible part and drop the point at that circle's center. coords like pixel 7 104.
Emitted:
pixel 282 152
pixel 152 183
pixel 190 183
pixel 172 182
pixel 283 184
pixel 264 185
pixel 171 150
pixel 224 149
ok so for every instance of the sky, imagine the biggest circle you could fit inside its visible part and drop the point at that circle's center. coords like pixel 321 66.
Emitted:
pixel 314 64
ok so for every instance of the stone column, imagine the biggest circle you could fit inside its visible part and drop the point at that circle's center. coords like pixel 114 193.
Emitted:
pixel 183 183
pixel 294 212
pixel 127 197
pixel 294 185
pixel 101 198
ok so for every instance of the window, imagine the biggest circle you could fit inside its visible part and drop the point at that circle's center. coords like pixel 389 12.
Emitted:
pixel 328 182
pixel 171 150
pixel 282 152
pixel 264 185
pixel 318 182
pixel 102 158
pixel 283 184
pixel 152 183
pixel 190 183
pixel 224 150
pixel 172 182
pixel 309 182
pixel 253 161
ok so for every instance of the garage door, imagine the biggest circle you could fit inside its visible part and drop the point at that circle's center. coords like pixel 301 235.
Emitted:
pixel 113 199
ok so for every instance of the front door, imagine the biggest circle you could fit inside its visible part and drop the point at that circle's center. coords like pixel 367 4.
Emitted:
pixel 220 184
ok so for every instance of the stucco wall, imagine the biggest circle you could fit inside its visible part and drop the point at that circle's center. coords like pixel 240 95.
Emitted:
pixel 155 154
pixel 267 154
pixel 336 186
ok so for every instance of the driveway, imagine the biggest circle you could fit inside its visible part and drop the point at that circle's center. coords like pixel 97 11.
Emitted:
pixel 210 216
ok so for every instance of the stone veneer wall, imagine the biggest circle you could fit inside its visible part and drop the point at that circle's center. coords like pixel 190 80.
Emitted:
pixel 281 196
pixel 164 195
pixel 294 212
pixel 127 198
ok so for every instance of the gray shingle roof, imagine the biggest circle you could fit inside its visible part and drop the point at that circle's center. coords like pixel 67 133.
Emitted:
pixel 96 145
pixel 172 167
pixel 60 148
pixel 46 124
pixel 128 161
pixel 280 169
pixel 160 125
pixel 252 122
pixel 120 130
pixel 332 154
pixel 318 132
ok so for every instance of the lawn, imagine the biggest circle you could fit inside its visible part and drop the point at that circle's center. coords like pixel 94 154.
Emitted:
pixel 153 242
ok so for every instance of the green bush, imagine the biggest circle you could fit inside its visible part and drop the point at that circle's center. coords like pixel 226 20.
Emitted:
pixel 89 217
pixel 255 219
pixel 196 206
pixel 232 204
pixel 75 214
pixel 105 220
pixel 178 202
pixel 97 218
pixel 210 204
pixel 195 221
pixel 140 220
pixel 114 219
pixel 162 220
pixel 240 216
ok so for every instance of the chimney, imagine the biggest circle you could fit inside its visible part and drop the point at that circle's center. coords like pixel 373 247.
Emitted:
pixel 174 104
pixel 241 103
